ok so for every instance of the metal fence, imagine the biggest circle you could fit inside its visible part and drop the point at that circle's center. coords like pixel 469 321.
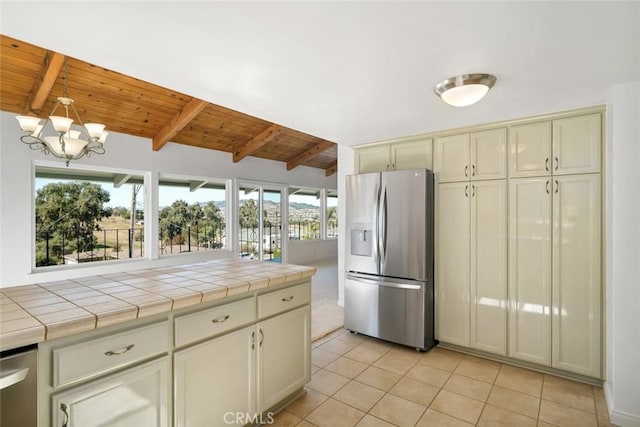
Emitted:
pixel 192 239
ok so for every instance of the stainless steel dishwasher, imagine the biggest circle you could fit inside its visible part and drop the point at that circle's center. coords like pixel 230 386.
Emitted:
pixel 19 387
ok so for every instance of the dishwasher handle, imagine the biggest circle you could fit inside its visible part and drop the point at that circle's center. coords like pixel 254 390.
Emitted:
pixel 357 278
pixel 13 377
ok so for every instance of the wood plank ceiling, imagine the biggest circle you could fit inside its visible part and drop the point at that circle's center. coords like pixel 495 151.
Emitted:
pixel 31 79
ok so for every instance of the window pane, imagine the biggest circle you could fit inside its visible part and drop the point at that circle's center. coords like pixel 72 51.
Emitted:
pixel 191 216
pixel 84 216
pixel 304 214
pixel 332 214
pixel 248 218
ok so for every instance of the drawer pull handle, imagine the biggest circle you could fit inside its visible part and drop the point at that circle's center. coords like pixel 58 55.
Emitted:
pixel 120 351
pixel 220 319
pixel 261 338
pixel 287 299
pixel 63 408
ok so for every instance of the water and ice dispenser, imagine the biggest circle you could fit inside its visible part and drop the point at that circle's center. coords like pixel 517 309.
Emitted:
pixel 362 239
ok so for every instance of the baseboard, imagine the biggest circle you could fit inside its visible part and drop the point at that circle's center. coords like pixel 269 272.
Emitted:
pixel 618 418
pixel 623 419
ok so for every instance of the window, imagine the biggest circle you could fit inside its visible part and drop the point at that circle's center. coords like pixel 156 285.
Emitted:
pixel 332 214
pixel 87 216
pixel 191 216
pixel 304 214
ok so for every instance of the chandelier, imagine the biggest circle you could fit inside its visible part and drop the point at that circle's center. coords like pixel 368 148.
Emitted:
pixel 63 142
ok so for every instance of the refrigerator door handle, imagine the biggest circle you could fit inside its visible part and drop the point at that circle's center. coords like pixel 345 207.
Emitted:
pixel 357 278
pixel 383 230
pixel 376 231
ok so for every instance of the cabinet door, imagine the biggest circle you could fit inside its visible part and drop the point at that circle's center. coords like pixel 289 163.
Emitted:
pixel 577 145
pixel 135 397
pixel 284 356
pixel 215 378
pixel 489 154
pixel 373 159
pixel 530 149
pixel 452 158
pixel 452 263
pixel 412 155
pixel 489 266
pixel 576 274
pixel 530 269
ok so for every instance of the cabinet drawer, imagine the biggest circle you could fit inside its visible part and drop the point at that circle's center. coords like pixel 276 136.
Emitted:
pixel 214 321
pixel 282 300
pixel 90 358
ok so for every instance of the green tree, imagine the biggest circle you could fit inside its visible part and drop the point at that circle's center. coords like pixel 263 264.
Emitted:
pixel 177 220
pixel 67 213
pixel 248 214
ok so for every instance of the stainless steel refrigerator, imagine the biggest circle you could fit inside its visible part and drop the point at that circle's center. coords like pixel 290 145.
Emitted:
pixel 389 289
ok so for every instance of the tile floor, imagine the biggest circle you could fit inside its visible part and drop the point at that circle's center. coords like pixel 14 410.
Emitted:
pixel 326 314
pixel 361 381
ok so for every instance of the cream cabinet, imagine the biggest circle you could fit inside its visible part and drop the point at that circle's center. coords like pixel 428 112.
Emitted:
pixel 563 146
pixel 576 286
pixel 471 156
pixel 409 154
pixel 471 265
pixel 283 355
pixel 138 396
pixel 215 378
pixel 554 264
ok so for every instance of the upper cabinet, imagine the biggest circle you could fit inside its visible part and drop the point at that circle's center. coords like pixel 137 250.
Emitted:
pixel 411 154
pixel 472 156
pixel 559 147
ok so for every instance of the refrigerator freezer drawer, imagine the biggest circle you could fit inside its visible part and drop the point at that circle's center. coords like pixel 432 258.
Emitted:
pixel 390 309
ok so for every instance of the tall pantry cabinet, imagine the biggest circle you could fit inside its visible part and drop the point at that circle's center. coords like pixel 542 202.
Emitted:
pixel 555 243
pixel 471 240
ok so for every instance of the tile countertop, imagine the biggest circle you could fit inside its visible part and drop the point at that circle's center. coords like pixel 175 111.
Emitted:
pixel 33 313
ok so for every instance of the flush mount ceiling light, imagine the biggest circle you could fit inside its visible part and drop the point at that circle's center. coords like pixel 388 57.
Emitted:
pixel 65 143
pixel 464 90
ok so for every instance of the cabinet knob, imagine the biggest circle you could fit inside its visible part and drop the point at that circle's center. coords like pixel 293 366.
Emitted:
pixel 287 299
pixel 557 163
pixel 466 191
pixel 557 186
pixel 547 186
pixel 466 171
pixel 546 164
pixel 473 170
pixel 220 319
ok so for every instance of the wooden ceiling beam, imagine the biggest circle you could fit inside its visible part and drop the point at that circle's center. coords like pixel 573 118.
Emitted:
pixel 51 66
pixel 188 113
pixel 310 153
pixel 258 142
pixel 331 169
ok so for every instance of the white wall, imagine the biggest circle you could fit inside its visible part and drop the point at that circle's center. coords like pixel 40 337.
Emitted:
pixel 123 152
pixel 622 388
pixel 345 167
pixel 308 251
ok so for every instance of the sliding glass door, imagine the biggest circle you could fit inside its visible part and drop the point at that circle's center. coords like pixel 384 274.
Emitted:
pixel 260 221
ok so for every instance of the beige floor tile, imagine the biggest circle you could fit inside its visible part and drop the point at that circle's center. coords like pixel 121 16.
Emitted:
pixel 605 422
pixel 405 352
pixel 327 382
pixel 562 416
pixel 569 394
pixel 371 421
pixel 514 401
pixel 479 369
pixel 283 419
pixel 315 369
pixel 519 379
pixel 433 418
pixel 601 403
pixel 333 413
pixel 415 391
pixel 429 375
pixel 359 395
pixel 305 423
pixel 457 406
pixel 398 411
pixel 440 358
pixel 364 354
pixel 492 416
pixel 322 358
pixel 346 367
pixel 306 403
pixel 543 424
pixel 377 345
pixel 339 345
pixel 572 386
pixel 468 387
pixel 395 362
pixel 378 378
